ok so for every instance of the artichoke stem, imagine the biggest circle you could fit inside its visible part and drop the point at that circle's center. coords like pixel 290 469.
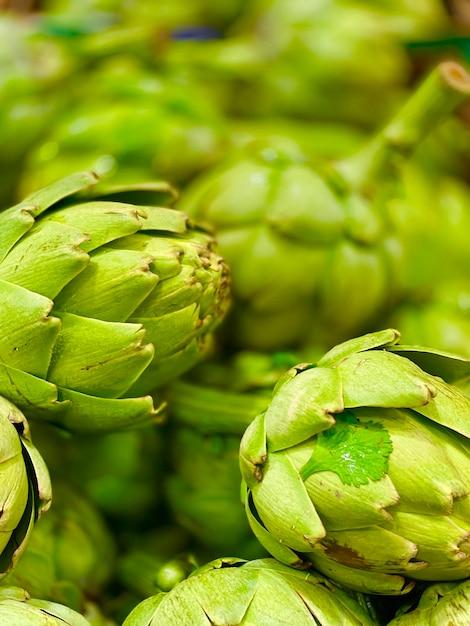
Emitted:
pixel 442 91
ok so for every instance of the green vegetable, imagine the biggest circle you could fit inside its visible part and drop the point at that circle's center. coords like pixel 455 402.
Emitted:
pixel 104 301
pixel 233 591
pixel 25 488
pixel 360 468
pixel 319 250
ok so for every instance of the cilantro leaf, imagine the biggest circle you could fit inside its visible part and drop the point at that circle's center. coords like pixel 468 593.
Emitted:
pixel 356 451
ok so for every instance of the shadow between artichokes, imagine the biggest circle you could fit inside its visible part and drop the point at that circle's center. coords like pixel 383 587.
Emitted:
pixel 360 466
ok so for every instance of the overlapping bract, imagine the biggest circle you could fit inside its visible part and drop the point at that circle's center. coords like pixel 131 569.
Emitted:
pixel 360 466
pixel 103 301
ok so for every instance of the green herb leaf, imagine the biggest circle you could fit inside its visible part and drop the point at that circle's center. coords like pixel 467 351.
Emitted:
pixel 356 451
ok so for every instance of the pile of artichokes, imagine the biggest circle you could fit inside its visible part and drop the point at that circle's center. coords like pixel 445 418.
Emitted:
pixel 234 313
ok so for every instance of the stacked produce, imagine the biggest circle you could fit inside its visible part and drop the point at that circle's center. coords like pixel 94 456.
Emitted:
pixel 234 313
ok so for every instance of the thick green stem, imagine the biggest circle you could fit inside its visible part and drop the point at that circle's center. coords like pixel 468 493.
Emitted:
pixel 215 410
pixel 447 86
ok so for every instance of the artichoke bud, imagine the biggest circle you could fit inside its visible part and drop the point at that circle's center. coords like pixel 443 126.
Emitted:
pixel 364 466
pixel 113 299
pixel 234 591
pixel 320 235
pixel 26 487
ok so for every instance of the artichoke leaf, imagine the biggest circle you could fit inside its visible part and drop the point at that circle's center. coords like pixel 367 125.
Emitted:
pixel 165 220
pixel 276 548
pixel 379 339
pixel 112 286
pixel 283 491
pixel 28 331
pixel 360 580
pixel 374 546
pixel 53 246
pixel 305 208
pixel 14 223
pixel 33 395
pixel 253 451
pixel 50 195
pixel 382 379
pixel 90 414
pixel 304 408
pixel 102 221
pixel 169 333
pixel 97 357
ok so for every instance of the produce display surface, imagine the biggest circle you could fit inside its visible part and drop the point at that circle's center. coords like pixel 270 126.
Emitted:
pixel 234 313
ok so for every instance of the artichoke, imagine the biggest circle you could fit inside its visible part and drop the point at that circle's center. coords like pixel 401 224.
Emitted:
pixel 360 466
pixel 319 235
pixel 441 604
pixel 17 608
pixel 70 555
pixel 233 591
pixel 25 485
pixel 103 301
pixel 129 123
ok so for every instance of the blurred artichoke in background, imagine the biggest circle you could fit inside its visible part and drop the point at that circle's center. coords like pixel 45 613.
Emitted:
pixel 128 122
pixel 318 251
pixel 440 319
pixel 233 591
pixel 318 60
pixel 360 466
pixel 33 71
pixel 209 410
pixel 442 604
pixel 104 301
pixel 17 608
pixel 120 472
pixel 25 485
pixel 70 556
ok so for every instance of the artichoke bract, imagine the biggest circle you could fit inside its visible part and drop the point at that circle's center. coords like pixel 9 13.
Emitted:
pixel 442 604
pixel 319 250
pixel 17 608
pixel 233 591
pixel 25 487
pixel 103 301
pixel 360 466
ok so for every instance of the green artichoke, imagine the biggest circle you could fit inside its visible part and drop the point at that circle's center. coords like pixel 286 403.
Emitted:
pixel 360 466
pixel 233 591
pixel 25 485
pixel 127 122
pixel 70 556
pixel 441 604
pixel 302 239
pixel 17 608
pixel 103 301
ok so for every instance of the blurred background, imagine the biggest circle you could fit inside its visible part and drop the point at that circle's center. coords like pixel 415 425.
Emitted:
pixel 182 91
